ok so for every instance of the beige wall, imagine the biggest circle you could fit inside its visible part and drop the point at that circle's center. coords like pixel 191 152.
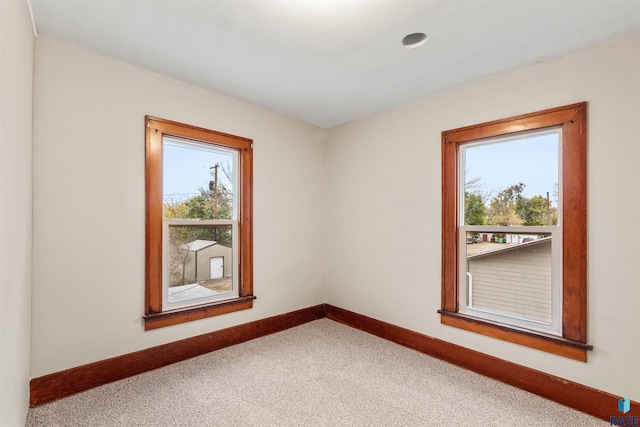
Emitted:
pixel 370 184
pixel 16 56
pixel 89 201
pixel 383 187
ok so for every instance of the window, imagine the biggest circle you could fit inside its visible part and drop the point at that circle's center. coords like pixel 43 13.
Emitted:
pixel 198 223
pixel 514 230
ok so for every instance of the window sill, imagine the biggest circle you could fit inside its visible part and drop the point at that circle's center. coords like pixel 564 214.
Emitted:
pixel 545 342
pixel 181 315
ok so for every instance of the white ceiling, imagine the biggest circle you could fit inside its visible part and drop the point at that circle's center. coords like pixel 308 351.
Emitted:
pixel 328 62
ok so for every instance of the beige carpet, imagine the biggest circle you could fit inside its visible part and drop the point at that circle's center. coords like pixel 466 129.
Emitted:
pixel 318 374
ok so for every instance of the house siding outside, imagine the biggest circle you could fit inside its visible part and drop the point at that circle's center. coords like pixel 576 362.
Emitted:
pixel 515 282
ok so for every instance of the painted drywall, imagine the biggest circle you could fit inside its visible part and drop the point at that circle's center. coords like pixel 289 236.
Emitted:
pixel 16 53
pixel 372 187
pixel 384 189
pixel 89 205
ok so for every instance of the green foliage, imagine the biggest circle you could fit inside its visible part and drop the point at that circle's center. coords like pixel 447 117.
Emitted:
pixel 475 212
pixel 510 207
pixel 536 211
pixel 200 206
pixel 503 207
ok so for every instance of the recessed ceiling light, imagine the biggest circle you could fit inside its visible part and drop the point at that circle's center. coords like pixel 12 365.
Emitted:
pixel 412 41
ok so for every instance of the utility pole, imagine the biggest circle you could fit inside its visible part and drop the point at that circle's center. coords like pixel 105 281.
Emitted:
pixel 215 190
pixel 548 210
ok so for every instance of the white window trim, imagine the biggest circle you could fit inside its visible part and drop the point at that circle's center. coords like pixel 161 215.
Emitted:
pixel 465 307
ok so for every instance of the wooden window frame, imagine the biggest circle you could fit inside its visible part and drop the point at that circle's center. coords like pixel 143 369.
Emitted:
pixel 155 130
pixel 572 120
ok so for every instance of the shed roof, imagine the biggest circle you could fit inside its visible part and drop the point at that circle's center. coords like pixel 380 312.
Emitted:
pixel 198 245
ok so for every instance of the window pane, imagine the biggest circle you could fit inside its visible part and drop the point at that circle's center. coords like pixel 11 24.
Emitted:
pixel 511 181
pixel 198 180
pixel 510 274
pixel 483 161
pixel 200 260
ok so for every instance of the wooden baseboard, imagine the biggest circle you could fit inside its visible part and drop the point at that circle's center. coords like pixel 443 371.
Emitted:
pixel 71 381
pixel 577 396
pixel 574 395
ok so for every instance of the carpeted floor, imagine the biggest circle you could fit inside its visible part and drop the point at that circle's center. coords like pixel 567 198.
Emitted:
pixel 319 374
